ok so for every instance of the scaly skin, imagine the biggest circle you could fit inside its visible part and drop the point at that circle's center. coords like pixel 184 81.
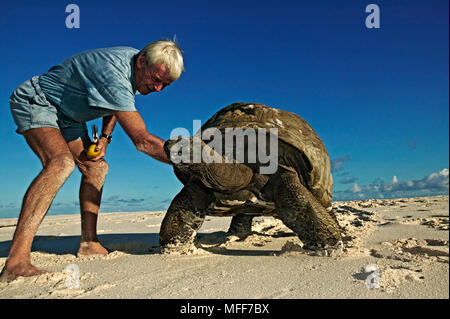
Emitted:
pixel 241 226
pixel 301 212
pixel 181 222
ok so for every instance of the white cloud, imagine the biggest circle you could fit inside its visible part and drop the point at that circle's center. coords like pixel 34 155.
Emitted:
pixel 336 163
pixel 355 188
pixel 436 183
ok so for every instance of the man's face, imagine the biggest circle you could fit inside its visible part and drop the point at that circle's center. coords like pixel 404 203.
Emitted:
pixel 150 79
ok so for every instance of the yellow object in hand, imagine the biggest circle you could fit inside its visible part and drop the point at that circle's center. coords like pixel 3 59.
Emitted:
pixel 91 152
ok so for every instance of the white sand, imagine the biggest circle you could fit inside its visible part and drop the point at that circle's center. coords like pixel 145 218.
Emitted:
pixel 404 241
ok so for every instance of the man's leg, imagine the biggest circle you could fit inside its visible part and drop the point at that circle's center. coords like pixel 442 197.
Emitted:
pixel 92 180
pixel 58 164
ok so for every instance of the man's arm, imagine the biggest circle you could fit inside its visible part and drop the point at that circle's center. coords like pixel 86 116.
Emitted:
pixel 134 126
pixel 109 122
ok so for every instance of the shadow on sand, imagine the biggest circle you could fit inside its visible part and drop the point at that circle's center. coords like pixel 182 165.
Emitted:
pixel 136 244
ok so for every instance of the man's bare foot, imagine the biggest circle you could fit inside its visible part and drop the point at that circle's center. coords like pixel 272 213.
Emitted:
pixel 9 273
pixel 91 248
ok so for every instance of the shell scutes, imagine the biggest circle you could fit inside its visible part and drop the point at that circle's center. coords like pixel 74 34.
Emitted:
pixel 292 129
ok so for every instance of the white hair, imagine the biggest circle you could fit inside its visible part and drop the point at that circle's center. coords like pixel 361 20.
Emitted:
pixel 166 52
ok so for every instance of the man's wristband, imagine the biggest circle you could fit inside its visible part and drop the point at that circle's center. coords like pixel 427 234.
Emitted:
pixel 108 137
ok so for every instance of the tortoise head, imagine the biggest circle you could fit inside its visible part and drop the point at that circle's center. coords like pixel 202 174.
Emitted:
pixel 171 147
pixel 191 156
pixel 184 151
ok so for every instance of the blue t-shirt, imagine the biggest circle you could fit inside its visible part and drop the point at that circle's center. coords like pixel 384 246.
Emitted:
pixel 92 84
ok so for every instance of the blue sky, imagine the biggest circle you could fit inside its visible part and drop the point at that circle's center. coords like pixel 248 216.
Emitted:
pixel 378 98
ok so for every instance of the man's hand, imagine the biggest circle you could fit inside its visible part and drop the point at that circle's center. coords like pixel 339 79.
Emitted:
pixel 102 145
pixel 109 122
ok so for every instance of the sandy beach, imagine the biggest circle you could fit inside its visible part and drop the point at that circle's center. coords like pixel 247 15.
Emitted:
pixel 393 248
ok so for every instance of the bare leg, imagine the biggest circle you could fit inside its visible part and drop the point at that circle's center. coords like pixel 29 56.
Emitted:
pixel 91 187
pixel 58 164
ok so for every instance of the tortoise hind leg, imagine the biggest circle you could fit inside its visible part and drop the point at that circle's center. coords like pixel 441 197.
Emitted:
pixel 241 226
pixel 301 212
pixel 181 223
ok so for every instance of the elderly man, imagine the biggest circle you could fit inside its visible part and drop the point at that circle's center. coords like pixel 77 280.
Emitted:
pixel 51 112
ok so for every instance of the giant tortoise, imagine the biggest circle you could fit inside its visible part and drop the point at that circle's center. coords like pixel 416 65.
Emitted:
pixel 298 192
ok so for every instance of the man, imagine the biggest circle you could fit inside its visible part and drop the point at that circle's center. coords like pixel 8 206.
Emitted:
pixel 50 111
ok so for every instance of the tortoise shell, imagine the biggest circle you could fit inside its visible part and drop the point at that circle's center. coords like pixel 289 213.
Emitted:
pixel 293 131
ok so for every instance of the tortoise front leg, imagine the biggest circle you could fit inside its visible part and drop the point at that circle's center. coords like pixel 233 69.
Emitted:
pixel 181 222
pixel 302 213
pixel 241 226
